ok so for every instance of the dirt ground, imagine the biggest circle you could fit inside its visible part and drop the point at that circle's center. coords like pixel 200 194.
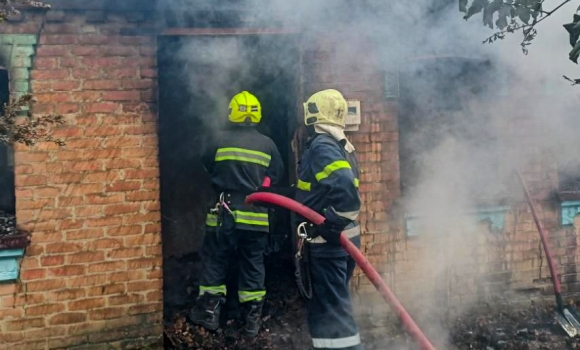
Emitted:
pixel 486 328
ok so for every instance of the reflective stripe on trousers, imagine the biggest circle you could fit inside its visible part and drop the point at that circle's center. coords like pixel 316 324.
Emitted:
pixel 349 233
pixel 336 343
pixel 244 296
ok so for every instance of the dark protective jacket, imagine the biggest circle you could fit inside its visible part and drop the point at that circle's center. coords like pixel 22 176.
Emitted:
pixel 328 178
pixel 238 161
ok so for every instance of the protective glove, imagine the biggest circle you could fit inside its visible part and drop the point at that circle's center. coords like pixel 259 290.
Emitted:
pixel 330 232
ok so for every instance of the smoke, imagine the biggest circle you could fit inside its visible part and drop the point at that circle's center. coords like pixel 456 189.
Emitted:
pixel 475 120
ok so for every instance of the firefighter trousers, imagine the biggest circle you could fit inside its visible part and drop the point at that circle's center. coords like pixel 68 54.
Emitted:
pixel 215 253
pixel 330 313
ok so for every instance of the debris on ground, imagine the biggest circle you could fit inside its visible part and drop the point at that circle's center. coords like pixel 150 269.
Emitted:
pixel 499 327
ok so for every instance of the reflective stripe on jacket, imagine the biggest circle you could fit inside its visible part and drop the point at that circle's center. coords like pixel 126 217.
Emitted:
pixel 238 161
pixel 328 180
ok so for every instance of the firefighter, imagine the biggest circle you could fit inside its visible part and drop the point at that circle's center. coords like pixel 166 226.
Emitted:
pixel 328 183
pixel 238 162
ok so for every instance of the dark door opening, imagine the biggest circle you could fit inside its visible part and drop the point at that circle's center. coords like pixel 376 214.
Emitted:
pixel 198 75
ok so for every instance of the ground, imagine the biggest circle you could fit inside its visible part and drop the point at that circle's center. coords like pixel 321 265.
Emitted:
pixel 491 327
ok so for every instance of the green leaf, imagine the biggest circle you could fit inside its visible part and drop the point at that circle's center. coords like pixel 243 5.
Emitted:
pixel 504 13
pixel 524 14
pixel 575 53
pixel 476 7
pixel 463 6
pixel 573 29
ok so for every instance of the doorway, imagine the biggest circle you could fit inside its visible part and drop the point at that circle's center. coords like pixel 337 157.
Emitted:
pixel 198 75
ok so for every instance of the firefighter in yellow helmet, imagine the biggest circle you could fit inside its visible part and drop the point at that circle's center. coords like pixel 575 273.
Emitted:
pixel 328 176
pixel 238 162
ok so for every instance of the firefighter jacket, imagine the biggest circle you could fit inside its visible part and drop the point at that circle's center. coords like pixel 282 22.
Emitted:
pixel 238 161
pixel 328 178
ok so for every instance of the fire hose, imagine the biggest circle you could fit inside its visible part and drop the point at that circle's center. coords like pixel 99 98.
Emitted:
pixel 408 324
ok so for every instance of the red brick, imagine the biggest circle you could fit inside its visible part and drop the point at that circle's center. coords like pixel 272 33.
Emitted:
pixel 30 180
pixel 68 62
pixel 148 73
pixel 88 211
pixel 140 84
pixel 94 39
pixel 45 309
pixel 66 178
pixel 29 263
pixel 35 203
pixel 71 270
pixel 53 260
pixel 102 107
pixel 29 275
pixel 85 120
pixel 122 142
pixel 31 157
pixel 116 209
pixel 63 247
pixel 145 308
pixel 155 296
pixel 45 63
pixel 144 286
pixel 141 196
pixel 82 143
pixel 45 285
pixel 78 73
pixel 125 253
pixel 107 290
pixel 67 108
pixel 107 313
pixel 71 224
pixel 121 96
pixel 102 85
pixel 101 62
pixel 85 50
pixel 86 304
pixel 68 318
pixel 86 281
pixel 131 219
pixel 122 119
pixel 19 325
pixel 143 263
pixel 125 276
pixel 118 51
pixel 49 214
pixel 86 257
pixel 53 50
pixel 122 73
pixel 126 299
pixel 58 39
pixel 87 233
pixel 124 230
pixel 65 86
pixel 52 74
pixel 107 266
pixel 67 294
pixel 104 222
pixel 103 176
pixel 70 201
pixel 142 174
pixel 102 198
pixel 46 192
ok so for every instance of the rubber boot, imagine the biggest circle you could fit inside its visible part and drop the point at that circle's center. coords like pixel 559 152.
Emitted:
pixel 206 312
pixel 253 320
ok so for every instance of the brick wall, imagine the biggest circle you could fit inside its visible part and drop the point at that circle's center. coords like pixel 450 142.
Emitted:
pixel 92 273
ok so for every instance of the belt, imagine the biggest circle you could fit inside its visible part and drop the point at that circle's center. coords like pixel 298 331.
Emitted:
pixel 349 233
pixel 233 197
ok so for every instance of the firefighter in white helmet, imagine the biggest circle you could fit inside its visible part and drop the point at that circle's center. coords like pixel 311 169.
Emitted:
pixel 328 177
pixel 238 162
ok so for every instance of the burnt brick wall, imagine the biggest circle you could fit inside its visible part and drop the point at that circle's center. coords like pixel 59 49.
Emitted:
pixel 92 274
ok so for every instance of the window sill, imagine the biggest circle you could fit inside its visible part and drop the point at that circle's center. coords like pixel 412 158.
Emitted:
pixel 11 250
pixel 493 214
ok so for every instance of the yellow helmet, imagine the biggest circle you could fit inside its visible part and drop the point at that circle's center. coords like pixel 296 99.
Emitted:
pixel 245 108
pixel 326 107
